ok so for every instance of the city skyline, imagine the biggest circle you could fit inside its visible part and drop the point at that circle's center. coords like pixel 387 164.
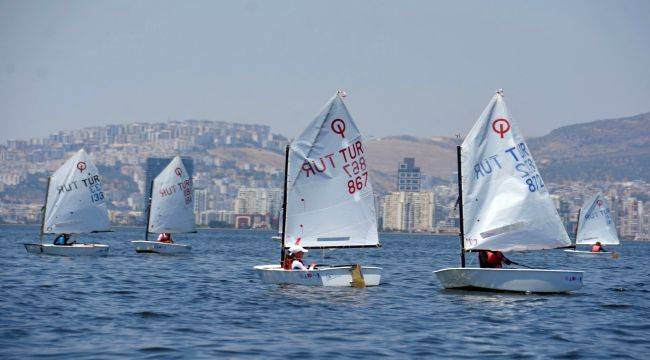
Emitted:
pixel 66 64
pixel 238 175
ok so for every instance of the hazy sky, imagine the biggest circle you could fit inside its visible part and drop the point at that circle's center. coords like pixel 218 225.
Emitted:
pixel 424 68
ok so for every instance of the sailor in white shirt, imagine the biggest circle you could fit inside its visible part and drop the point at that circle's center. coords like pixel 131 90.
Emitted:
pixel 297 252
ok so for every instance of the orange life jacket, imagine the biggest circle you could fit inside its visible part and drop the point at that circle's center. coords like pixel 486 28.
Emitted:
pixel 286 264
pixel 596 248
pixel 494 259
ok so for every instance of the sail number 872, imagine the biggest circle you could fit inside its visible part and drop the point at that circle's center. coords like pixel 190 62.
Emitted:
pixel 534 183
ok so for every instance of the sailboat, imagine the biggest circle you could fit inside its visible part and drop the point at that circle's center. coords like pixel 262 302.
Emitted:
pixel 74 204
pixel 505 206
pixel 328 201
pixel 170 209
pixel 595 224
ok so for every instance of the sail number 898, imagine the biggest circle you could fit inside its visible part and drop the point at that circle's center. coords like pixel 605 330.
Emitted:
pixel 358 183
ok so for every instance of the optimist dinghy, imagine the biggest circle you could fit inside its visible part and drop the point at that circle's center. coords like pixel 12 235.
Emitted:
pixel 74 204
pixel 505 206
pixel 595 224
pixel 170 210
pixel 328 201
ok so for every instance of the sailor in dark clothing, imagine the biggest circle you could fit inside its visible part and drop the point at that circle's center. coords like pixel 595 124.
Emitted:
pixel 63 239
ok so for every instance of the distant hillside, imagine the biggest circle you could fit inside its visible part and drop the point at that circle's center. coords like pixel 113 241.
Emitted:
pixel 435 156
pixel 613 149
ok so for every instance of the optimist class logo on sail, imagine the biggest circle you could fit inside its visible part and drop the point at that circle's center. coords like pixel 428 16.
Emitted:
pixel 338 127
pixel 81 166
pixel 501 126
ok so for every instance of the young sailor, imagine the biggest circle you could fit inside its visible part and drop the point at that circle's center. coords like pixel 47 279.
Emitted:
pixel 492 259
pixel 165 238
pixel 62 239
pixel 598 247
pixel 296 252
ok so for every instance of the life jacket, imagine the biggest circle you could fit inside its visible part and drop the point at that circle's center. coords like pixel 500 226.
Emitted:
pixel 494 259
pixel 596 248
pixel 286 264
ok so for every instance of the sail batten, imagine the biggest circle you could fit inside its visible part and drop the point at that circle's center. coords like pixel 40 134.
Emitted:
pixel 506 205
pixel 330 201
pixel 172 200
pixel 596 223
pixel 75 199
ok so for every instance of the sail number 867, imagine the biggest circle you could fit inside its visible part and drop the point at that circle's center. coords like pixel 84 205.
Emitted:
pixel 358 183
pixel 358 174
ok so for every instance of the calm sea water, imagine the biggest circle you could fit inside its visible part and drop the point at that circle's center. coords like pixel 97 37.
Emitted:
pixel 211 304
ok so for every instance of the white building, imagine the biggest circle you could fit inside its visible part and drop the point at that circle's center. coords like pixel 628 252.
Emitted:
pixel 258 201
pixel 409 211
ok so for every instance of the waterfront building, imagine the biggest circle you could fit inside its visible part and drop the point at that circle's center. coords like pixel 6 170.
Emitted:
pixel 409 211
pixel 265 201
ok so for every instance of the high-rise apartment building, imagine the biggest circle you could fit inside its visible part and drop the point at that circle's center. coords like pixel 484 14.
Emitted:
pixel 629 213
pixel 200 203
pixel 409 177
pixel 409 211
pixel 259 201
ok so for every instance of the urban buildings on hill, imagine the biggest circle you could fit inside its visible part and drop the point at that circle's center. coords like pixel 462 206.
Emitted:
pixel 237 183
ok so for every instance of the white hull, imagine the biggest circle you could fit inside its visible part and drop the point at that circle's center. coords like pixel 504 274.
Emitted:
pixel 142 246
pixel 323 276
pixel 68 250
pixel 586 252
pixel 516 280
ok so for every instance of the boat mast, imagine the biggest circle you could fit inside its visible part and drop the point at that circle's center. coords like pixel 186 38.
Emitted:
pixel 44 209
pixel 146 229
pixel 284 203
pixel 460 209
pixel 575 240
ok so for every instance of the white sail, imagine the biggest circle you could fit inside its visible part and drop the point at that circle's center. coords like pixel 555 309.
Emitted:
pixel 596 223
pixel 76 201
pixel 506 204
pixel 172 203
pixel 330 201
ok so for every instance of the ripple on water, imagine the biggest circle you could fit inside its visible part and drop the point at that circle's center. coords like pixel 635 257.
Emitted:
pixel 209 306
pixel 120 292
